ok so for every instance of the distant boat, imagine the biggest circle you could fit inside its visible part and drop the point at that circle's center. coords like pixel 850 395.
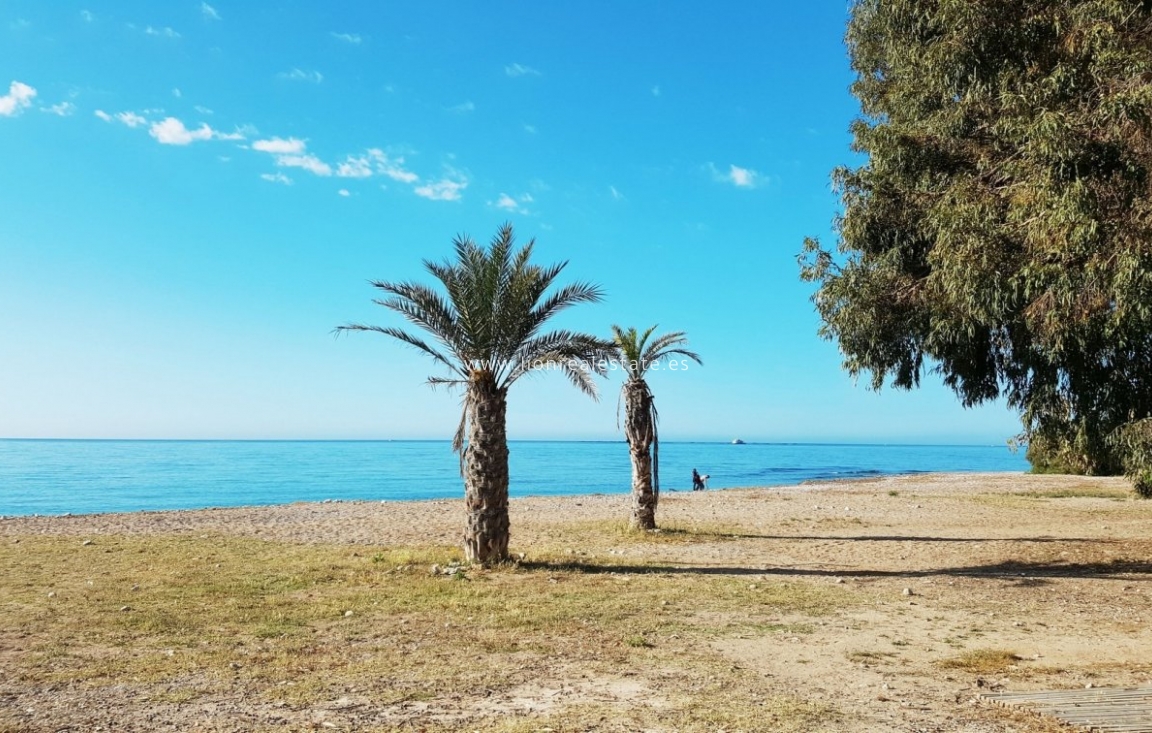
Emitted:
pixel 737 441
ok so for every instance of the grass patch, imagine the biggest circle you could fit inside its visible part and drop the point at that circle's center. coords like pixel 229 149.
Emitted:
pixel 982 661
pixel 186 618
pixel 1078 492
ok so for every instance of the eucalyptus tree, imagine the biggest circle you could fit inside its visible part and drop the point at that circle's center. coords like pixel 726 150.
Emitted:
pixel 486 324
pixel 636 354
pixel 1000 231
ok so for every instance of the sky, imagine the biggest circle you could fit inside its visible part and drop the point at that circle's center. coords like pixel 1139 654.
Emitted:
pixel 196 194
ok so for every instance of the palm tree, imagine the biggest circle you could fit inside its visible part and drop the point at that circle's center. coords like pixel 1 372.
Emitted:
pixel 486 328
pixel 637 355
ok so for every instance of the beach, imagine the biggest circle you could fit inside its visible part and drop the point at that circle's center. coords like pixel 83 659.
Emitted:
pixel 922 592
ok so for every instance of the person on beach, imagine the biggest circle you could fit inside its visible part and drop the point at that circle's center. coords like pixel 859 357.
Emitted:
pixel 697 481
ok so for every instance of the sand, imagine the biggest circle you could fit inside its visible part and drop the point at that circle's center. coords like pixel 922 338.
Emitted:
pixel 1049 567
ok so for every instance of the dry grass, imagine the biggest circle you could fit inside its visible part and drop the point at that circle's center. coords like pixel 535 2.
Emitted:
pixel 196 618
pixel 983 661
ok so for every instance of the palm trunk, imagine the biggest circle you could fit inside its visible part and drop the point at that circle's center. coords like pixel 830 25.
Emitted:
pixel 486 474
pixel 641 432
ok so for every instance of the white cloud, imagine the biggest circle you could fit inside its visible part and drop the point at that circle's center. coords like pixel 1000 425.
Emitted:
pixel 300 75
pixel 615 194
pixel 64 109
pixel 359 167
pixel 177 93
pixel 446 189
pixel 743 177
pixel 277 178
pixel 394 169
pixel 737 176
pixel 87 16
pixel 209 12
pixel 355 167
pixel 172 131
pixel 530 129
pixel 353 38
pixel 203 110
pixel 18 99
pixel 344 192
pixel 290 153
pixel 463 108
pixel 164 32
pixel 515 70
pixel 308 162
pixel 280 146
pixel 508 203
pixel 375 161
pixel 131 119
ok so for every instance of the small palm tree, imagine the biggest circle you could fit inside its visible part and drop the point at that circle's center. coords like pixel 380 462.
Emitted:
pixel 637 355
pixel 487 331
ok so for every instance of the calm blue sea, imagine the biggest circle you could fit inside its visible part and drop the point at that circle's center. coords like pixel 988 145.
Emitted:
pixel 87 476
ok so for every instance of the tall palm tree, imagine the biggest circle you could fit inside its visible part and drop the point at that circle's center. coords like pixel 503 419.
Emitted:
pixel 636 354
pixel 486 327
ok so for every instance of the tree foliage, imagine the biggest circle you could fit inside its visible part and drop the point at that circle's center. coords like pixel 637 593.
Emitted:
pixel 1000 232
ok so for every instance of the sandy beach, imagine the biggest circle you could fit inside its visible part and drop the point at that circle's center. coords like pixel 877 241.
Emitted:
pixel 1051 570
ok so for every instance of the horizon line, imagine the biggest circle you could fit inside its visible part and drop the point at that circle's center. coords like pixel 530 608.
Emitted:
pixel 1005 444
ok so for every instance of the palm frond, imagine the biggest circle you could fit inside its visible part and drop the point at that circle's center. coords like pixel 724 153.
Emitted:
pixel 407 338
pixel 485 318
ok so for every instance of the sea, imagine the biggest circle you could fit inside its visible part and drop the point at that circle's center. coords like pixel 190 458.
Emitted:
pixel 94 476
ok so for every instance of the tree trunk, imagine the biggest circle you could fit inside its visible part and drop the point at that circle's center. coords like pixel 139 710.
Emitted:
pixel 486 474
pixel 640 431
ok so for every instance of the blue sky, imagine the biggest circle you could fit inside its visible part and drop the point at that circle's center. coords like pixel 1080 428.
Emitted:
pixel 195 194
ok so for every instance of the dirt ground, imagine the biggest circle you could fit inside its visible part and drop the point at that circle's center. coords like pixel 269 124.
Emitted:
pixel 962 583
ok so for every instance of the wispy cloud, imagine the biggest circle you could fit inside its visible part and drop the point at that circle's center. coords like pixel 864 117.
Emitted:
pixel 375 162
pixel 344 192
pixel 530 129
pixel 737 176
pixel 209 12
pixel 164 32
pixel 177 93
pixel 277 177
pixel 87 16
pixel 307 161
pixel 355 167
pixel 513 204
pixel 314 77
pixel 393 168
pixel 616 195
pixel 290 153
pixel 463 108
pixel 354 38
pixel 131 119
pixel 171 131
pixel 515 70
pixel 18 99
pixel 203 110
pixel 64 109
pixel 656 91
pixel 446 189
pixel 280 146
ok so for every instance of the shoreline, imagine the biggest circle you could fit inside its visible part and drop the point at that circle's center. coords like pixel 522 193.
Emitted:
pixel 806 485
pixel 881 501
